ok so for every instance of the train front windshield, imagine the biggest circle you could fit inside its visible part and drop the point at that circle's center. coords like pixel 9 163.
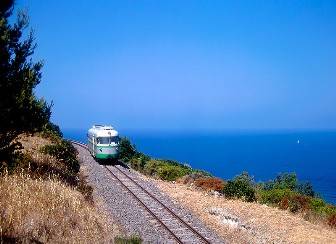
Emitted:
pixel 107 140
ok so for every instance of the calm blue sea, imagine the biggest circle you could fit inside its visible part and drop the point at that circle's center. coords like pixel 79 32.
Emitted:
pixel 312 155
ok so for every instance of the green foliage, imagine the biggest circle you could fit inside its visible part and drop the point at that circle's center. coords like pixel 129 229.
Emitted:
pixel 52 131
pixel 166 169
pixel 283 181
pixel 290 181
pixel 306 188
pixel 202 173
pixel 273 196
pixel 285 199
pixel 128 240
pixel 172 172
pixel 65 152
pixel 163 169
pixel 126 150
pixel 242 186
pixel 329 210
pixel 286 192
pixel 294 201
pixel 20 110
pixel 317 204
pixel 151 167
pixel 138 163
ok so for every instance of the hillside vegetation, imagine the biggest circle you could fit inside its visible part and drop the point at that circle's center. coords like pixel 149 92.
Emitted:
pixel 285 192
pixel 43 197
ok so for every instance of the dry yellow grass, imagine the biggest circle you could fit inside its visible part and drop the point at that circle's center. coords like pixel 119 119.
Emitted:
pixel 40 165
pixel 32 143
pixel 47 211
pixel 31 148
pixel 41 201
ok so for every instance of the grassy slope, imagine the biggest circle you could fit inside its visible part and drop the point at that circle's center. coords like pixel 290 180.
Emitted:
pixel 43 201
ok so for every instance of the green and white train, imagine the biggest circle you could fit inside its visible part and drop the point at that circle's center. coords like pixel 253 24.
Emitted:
pixel 103 142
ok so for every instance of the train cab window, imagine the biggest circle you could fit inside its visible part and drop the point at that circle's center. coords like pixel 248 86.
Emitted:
pixel 115 139
pixel 103 140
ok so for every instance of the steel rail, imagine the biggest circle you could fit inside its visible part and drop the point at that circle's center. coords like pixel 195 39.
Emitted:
pixel 144 205
pixel 165 207
pixel 136 197
pixel 153 197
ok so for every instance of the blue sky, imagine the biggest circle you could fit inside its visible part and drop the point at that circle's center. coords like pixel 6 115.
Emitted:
pixel 188 65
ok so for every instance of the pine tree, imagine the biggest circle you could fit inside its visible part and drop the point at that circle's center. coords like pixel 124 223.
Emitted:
pixel 20 110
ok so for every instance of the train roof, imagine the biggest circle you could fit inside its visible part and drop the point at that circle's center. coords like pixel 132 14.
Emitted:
pixel 103 130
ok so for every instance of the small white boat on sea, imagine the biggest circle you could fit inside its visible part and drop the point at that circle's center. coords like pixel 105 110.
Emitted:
pixel 298 141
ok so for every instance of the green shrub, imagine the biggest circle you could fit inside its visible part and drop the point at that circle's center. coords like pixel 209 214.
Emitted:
pixel 203 173
pixel 273 196
pixel 126 150
pixel 175 163
pixel 128 240
pixel 329 210
pixel 170 172
pixel 240 187
pixel 165 169
pixel 306 188
pixel 290 181
pixel 65 152
pixel 283 181
pixel 317 204
pixel 138 163
pixel 285 199
pixel 320 207
pixel 151 167
pixel 20 109
pixel 52 131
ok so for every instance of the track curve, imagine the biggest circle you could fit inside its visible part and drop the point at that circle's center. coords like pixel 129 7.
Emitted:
pixel 179 229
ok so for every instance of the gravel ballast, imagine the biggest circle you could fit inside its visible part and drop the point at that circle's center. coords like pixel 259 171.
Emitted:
pixel 127 211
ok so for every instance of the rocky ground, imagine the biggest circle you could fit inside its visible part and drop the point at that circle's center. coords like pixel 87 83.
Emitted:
pixel 242 222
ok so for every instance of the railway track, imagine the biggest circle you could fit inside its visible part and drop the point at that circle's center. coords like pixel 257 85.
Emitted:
pixel 179 229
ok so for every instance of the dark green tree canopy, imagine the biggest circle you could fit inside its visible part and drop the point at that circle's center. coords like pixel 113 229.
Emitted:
pixel 6 7
pixel 20 110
